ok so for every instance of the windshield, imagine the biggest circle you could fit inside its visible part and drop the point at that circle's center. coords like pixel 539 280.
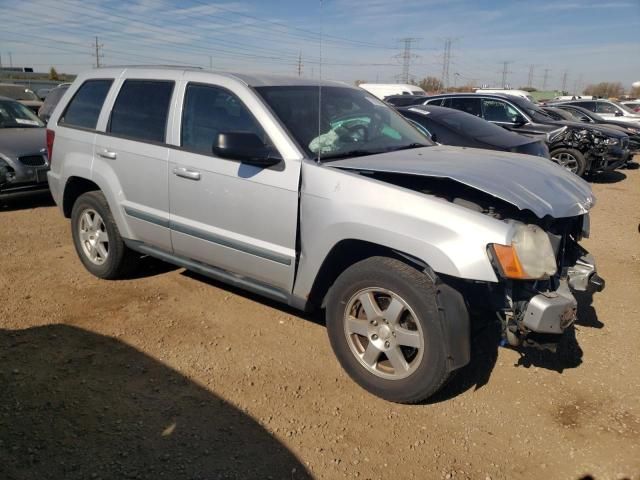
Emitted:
pixel 625 108
pixel 351 122
pixel 16 115
pixel 17 92
pixel 467 124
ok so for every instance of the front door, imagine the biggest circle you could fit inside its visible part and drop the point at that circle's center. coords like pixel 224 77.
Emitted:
pixel 236 217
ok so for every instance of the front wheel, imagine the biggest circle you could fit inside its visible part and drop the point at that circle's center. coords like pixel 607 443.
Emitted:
pixel 571 159
pixel 384 327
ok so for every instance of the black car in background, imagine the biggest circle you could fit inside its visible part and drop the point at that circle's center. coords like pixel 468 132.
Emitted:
pixel 578 147
pixel 405 100
pixel 587 116
pixel 452 127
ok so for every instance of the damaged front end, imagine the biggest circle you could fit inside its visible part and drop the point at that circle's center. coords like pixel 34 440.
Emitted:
pixel 535 312
pixel 602 152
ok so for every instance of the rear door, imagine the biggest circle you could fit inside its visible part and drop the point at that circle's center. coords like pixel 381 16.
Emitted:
pixel 131 154
pixel 236 217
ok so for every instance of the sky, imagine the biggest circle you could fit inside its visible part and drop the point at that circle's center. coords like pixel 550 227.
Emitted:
pixel 588 40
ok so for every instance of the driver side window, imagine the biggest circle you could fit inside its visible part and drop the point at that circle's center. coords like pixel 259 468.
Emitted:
pixel 499 111
pixel 208 111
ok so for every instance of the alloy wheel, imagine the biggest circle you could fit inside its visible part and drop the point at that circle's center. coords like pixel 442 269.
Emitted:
pixel 93 236
pixel 383 333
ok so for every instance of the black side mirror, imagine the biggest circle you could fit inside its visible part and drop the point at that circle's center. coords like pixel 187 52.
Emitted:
pixel 519 122
pixel 618 113
pixel 246 147
pixel 434 137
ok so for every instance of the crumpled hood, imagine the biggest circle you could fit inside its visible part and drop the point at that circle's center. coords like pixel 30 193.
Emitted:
pixel 15 142
pixel 528 182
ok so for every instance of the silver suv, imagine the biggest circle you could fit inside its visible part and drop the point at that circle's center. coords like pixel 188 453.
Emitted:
pixel 319 195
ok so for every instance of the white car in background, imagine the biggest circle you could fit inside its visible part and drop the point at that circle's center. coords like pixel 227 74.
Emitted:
pixel 382 90
pixel 607 109
pixel 507 91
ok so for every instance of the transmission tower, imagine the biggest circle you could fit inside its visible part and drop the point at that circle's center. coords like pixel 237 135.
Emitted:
pixel 505 72
pixel 530 79
pixel 446 62
pixel 545 78
pixel 564 82
pixel 406 56
pixel 300 64
pixel 98 47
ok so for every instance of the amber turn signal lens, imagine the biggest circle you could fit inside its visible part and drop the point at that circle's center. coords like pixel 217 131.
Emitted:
pixel 507 258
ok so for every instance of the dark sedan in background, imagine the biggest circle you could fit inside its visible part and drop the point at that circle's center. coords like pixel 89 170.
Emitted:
pixel 453 127
pixel 23 152
pixel 587 116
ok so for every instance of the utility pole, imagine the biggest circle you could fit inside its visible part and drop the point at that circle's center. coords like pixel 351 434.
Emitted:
pixel 10 60
pixel 546 77
pixel 505 72
pixel 530 80
pixel 300 65
pixel 98 55
pixel 564 82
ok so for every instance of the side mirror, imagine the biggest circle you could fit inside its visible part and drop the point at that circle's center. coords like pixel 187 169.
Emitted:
pixel 618 113
pixel 245 147
pixel 519 121
pixel 585 119
pixel 434 137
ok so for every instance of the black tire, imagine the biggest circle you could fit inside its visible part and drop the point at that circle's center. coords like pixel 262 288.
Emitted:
pixel 431 369
pixel 576 154
pixel 119 260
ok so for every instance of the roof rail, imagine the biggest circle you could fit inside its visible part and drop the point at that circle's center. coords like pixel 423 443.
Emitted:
pixel 177 67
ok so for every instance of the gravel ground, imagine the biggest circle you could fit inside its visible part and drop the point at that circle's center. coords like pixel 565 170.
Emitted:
pixel 170 375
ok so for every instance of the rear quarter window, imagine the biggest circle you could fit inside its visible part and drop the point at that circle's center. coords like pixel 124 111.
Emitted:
pixel 84 108
pixel 141 109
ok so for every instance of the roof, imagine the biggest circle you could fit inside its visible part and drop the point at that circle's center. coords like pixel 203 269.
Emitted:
pixel 253 80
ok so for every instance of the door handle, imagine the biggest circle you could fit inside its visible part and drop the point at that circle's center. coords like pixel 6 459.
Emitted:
pixel 104 153
pixel 186 173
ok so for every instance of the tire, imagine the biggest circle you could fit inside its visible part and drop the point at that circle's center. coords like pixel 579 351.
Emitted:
pixel 571 159
pixel 416 333
pixel 94 231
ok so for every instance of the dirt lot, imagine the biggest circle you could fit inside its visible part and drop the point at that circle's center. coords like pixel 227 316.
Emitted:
pixel 173 376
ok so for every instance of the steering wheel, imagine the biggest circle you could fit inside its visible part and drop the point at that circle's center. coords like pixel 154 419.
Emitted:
pixel 352 130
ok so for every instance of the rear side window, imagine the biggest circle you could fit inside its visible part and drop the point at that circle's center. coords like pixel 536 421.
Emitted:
pixel 210 110
pixel 468 105
pixel 84 108
pixel 141 109
pixel 437 101
pixel 604 107
pixel 591 106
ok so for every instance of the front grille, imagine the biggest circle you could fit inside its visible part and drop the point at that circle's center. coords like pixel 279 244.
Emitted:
pixel 33 160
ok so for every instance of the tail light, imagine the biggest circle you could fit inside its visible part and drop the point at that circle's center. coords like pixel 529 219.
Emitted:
pixel 51 135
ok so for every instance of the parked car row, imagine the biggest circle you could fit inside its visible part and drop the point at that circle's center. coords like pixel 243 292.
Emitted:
pixel 581 148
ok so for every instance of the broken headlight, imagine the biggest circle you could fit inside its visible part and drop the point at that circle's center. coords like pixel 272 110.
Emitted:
pixel 529 257
pixel 611 141
pixel 553 135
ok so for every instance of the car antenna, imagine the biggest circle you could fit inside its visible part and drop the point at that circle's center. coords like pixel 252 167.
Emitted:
pixel 320 90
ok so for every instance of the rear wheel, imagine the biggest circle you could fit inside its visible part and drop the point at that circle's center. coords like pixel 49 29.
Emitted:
pixel 571 159
pixel 384 326
pixel 97 239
